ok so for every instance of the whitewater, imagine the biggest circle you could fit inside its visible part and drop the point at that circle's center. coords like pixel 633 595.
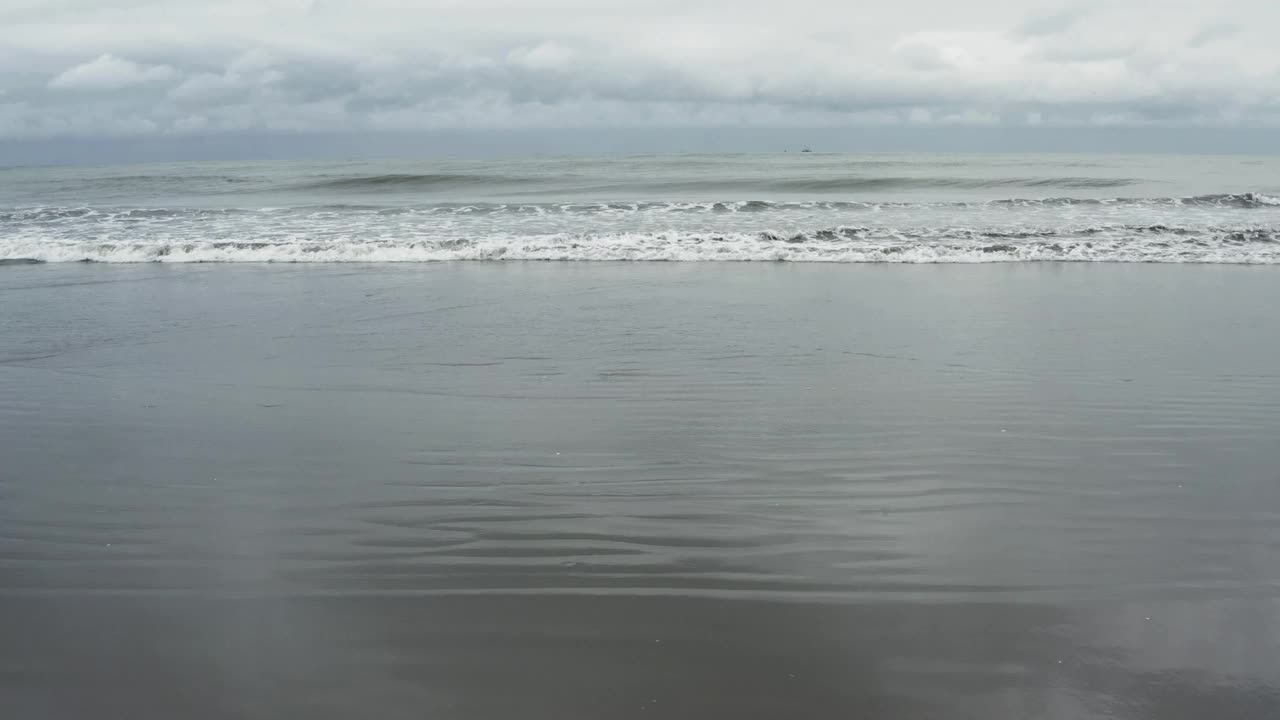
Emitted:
pixel 768 208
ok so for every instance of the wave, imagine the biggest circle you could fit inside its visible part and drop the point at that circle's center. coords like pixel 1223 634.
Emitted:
pixel 907 182
pixel 408 181
pixel 1247 200
pixel 1244 201
pixel 443 181
pixel 105 214
pixel 854 184
pixel 163 179
pixel 1149 244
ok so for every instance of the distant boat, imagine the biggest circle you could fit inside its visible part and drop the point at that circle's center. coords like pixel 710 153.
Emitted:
pixel 806 150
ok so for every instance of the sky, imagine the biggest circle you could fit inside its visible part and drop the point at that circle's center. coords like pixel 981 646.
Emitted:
pixel 198 74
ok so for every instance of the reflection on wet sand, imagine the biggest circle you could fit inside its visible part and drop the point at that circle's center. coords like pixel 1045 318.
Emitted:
pixel 550 492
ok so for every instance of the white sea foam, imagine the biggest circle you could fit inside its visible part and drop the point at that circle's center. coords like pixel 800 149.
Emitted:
pixel 851 246
pixel 54 214
pixel 1240 228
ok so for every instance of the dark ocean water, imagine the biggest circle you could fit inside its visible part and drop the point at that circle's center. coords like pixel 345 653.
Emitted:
pixel 790 206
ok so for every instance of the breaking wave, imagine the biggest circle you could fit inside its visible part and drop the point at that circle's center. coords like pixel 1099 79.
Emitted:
pixel 1150 244
pixel 1216 228
pixel 1244 201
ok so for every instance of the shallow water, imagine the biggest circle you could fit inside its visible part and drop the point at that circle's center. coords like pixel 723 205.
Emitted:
pixel 618 490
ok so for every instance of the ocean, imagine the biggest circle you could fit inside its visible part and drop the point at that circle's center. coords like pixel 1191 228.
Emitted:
pixel 782 207
pixel 309 440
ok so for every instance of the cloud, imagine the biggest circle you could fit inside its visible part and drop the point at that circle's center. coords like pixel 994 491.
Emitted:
pixel 92 67
pixel 109 72
pixel 550 56
pixel 210 88
pixel 1053 23
pixel 1213 32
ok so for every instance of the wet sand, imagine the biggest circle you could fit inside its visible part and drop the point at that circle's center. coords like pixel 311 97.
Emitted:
pixel 613 490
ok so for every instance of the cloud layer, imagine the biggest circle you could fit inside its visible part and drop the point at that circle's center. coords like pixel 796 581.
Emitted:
pixel 86 68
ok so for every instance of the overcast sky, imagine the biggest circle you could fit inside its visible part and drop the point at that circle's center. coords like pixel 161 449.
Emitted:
pixel 82 70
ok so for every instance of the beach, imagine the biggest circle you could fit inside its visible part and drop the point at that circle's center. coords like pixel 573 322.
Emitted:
pixel 626 490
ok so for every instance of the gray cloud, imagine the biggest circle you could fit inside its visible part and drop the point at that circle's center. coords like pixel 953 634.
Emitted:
pixel 107 72
pixel 1213 32
pixel 87 68
pixel 1055 22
